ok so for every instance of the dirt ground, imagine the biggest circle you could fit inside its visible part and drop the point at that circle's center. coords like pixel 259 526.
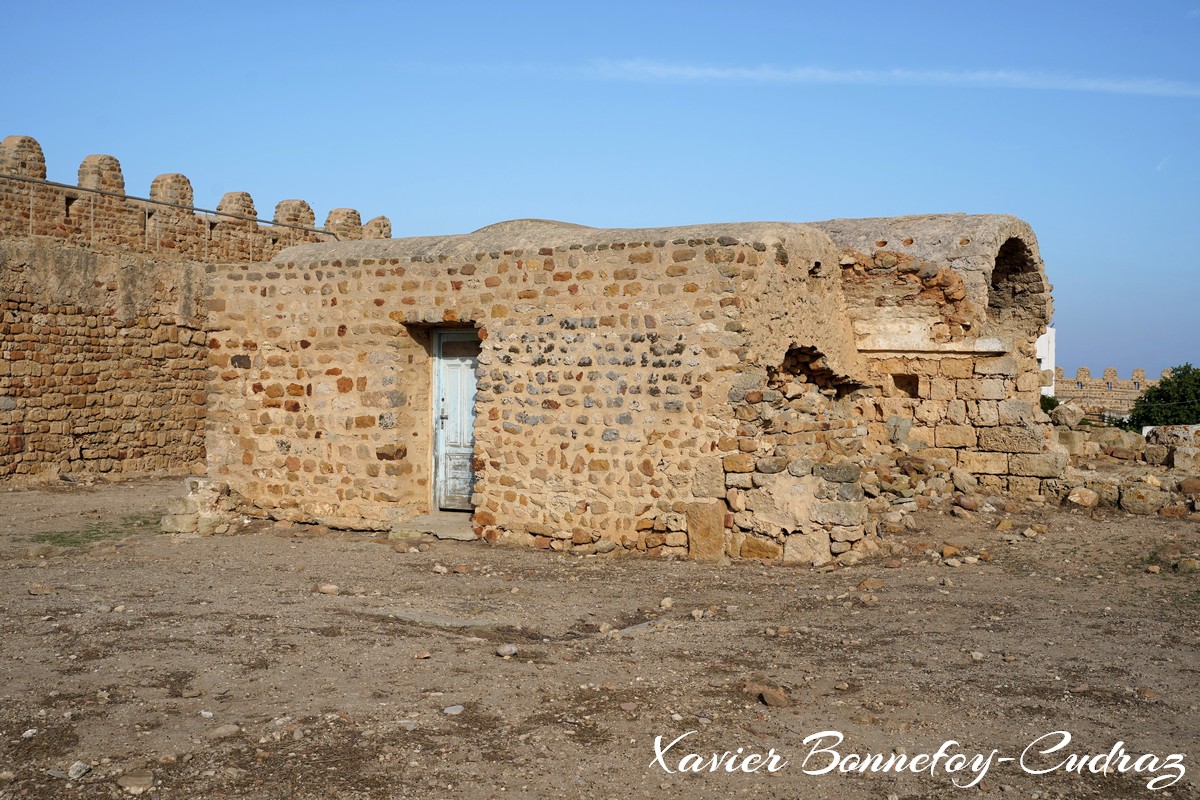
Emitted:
pixel 210 668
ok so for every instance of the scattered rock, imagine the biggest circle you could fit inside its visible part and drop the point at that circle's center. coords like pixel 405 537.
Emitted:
pixel 138 781
pixel 964 481
pixel 697 614
pixel 1004 525
pixel 78 770
pixel 629 706
pixel 1083 497
pixel 326 588
pixel 1066 414
pixel 222 732
pixel 506 650
pixel 967 502
pixel 768 693
pixel 869 585
pixel 1187 565
pixel 949 551
pixel 1141 499
pixel 977 656
pixel 453 711
pixel 666 603
pixel 1154 569
pixel 461 569
pixel 440 570
pixel 41 588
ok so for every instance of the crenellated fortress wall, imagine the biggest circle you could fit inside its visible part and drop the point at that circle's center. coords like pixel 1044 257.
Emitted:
pixel 103 356
pixel 1107 394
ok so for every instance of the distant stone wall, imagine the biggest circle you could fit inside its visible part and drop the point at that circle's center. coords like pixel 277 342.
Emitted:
pixel 1107 395
pixel 103 365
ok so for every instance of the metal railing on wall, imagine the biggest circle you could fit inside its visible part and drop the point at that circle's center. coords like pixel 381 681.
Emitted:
pixel 204 213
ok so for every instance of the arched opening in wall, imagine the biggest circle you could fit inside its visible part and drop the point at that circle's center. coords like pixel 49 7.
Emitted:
pixel 1017 298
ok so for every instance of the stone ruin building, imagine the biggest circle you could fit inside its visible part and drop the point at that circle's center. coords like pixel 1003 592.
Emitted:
pixel 764 390
pixel 710 391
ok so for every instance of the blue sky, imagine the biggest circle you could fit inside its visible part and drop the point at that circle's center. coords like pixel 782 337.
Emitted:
pixel 1082 118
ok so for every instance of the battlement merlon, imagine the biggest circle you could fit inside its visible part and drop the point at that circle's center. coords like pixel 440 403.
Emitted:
pixel 1138 376
pixel 97 213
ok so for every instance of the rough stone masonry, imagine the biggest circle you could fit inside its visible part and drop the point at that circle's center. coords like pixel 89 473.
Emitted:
pixel 751 390
pixel 711 391
pixel 103 354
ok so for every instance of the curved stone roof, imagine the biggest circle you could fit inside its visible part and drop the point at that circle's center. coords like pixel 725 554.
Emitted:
pixel 536 233
pixel 967 242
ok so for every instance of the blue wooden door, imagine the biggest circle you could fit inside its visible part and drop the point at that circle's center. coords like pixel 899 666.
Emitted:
pixel 456 356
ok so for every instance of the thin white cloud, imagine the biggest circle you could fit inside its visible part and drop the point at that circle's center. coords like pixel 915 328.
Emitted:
pixel 647 70
pixel 1162 164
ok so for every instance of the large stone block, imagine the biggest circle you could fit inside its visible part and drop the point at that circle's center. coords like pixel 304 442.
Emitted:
pixel 1038 465
pixel 1066 414
pixel 1186 459
pixel 739 462
pixel 1083 497
pixel 708 479
pixel 807 548
pixel 754 547
pixel 1002 365
pixel 706 531
pixel 1142 499
pixel 1016 412
pixel 954 436
pixel 1175 435
pixel 983 463
pixel 783 502
pixel 844 514
pixel 1011 439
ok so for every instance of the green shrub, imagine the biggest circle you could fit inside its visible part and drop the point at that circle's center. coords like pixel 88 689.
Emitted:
pixel 1174 401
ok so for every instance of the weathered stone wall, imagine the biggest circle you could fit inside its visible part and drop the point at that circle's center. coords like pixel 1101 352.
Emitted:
pixel 102 357
pixel 636 388
pixel 1107 395
pixel 102 363
pixel 946 310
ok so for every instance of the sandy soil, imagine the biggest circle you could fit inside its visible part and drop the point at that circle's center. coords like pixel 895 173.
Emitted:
pixel 213 664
